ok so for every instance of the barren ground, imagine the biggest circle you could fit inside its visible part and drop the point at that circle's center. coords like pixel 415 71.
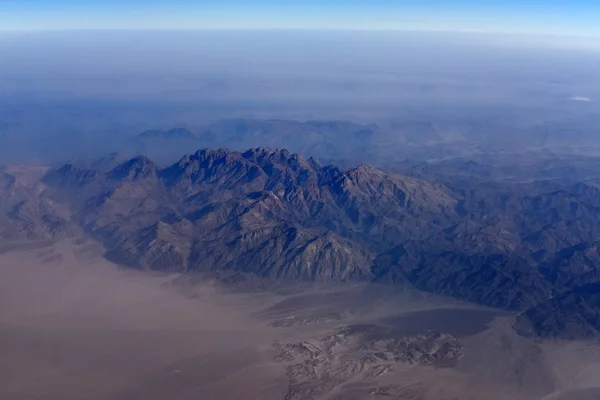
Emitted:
pixel 74 326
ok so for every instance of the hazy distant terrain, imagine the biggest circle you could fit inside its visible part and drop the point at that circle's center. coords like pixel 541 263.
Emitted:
pixel 431 95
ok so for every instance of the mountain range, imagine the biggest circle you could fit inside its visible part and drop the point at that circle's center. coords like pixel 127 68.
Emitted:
pixel 520 246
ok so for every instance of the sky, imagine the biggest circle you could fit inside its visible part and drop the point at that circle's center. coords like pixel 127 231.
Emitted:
pixel 545 17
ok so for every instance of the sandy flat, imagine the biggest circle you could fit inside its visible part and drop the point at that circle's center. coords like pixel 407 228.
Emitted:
pixel 74 326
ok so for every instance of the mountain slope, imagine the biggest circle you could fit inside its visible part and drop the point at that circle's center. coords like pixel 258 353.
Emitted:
pixel 572 315
pixel 263 211
pixel 276 214
pixel 25 212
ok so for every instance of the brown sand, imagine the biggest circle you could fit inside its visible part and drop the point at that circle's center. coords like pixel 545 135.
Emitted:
pixel 74 326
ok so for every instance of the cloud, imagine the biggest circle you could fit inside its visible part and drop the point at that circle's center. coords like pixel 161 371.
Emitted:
pixel 580 98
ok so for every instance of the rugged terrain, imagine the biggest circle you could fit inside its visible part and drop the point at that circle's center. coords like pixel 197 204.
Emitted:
pixel 279 215
pixel 365 351
pixel 571 315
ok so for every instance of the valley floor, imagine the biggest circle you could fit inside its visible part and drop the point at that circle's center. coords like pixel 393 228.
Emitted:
pixel 74 326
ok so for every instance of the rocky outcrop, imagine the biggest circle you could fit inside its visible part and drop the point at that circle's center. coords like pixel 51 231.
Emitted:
pixel 316 367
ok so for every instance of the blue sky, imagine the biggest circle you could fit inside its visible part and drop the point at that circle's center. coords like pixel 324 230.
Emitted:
pixel 555 17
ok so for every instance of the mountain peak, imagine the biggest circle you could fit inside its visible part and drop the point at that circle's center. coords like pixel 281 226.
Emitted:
pixel 135 168
pixel 265 156
pixel 266 153
pixel 207 153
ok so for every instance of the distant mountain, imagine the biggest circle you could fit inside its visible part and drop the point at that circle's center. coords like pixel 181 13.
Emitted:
pixel 323 139
pixel 276 214
pixel 327 140
pixel 172 134
pixel 436 147
pixel 164 146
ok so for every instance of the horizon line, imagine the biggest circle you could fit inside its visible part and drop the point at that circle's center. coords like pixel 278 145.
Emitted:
pixel 473 31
